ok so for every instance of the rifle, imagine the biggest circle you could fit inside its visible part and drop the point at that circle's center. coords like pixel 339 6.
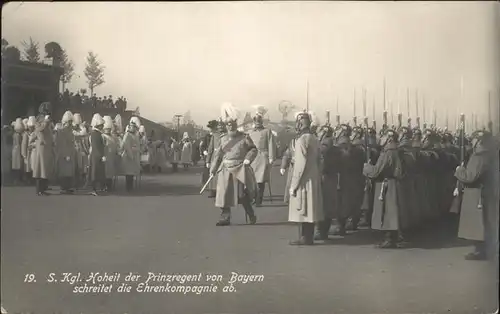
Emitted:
pixel 400 120
pixel 337 118
pixel 458 189
pixel 418 122
pixel 368 184
pixel 384 117
pixel 328 118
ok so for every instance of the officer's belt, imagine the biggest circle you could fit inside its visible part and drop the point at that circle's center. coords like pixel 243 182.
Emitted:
pixel 230 163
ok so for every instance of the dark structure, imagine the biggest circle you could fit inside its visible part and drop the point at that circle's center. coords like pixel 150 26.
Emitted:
pixel 25 86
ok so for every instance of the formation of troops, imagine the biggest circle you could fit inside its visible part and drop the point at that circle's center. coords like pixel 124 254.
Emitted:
pixel 76 155
pixel 338 178
pixel 395 180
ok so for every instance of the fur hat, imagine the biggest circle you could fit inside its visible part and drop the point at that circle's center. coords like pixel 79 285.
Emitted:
pixel 185 136
pixel 96 120
pixel 31 121
pixel 136 121
pixel 77 119
pixel 18 125
pixel 118 124
pixel 108 122
pixel 212 124
pixel 229 112
pixel 67 116
pixel 25 123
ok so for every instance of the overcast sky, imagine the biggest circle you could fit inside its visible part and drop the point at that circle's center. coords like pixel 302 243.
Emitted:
pixel 167 58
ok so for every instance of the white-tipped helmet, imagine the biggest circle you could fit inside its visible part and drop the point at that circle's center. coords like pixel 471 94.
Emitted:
pixel 136 121
pixel 108 122
pixel 31 121
pixel 260 110
pixel 185 136
pixel 229 112
pixel 314 119
pixel 67 116
pixel 25 123
pixel 18 125
pixel 96 120
pixel 77 119
pixel 142 129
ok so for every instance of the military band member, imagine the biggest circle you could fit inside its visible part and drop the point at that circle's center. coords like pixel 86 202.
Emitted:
pixel 66 154
pixel 231 164
pixel 111 152
pixel 43 163
pixel 266 146
pixel 305 205
pixel 97 155
pixel 131 154
pixel 387 172
pixel 17 158
pixel 479 213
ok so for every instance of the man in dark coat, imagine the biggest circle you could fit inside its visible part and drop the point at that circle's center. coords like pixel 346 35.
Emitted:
pixel 429 162
pixel 97 154
pixel 356 159
pixel 479 213
pixel 330 158
pixel 410 216
pixel 369 191
pixel 205 142
pixel 388 171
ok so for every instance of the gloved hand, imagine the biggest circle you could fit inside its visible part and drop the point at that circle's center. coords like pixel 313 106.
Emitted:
pixel 282 171
pixel 455 192
pixel 208 165
pixel 67 158
pixel 47 117
pixel 246 162
pixel 271 161
pixel 205 153
pixel 293 192
pixel 103 158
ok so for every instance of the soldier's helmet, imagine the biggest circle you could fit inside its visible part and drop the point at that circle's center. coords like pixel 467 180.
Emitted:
pixel 390 136
pixel 212 124
pixel 343 134
pixel 357 133
pixel 302 120
pixel 481 139
pixel 447 138
pixel 428 137
pixel 405 132
pixel 325 131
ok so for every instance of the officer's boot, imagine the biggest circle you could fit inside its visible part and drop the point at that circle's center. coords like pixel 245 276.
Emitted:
pixel 225 217
pixel 322 229
pixel 306 234
pixel 247 206
pixel 260 194
pixel 389 240
pixel 340 227
pixel 353 222
pixel 479 253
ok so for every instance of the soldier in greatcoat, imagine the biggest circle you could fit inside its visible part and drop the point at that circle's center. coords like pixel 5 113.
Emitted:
pixel 451 155
pixel 409 213
pixel 306 203
pixel 176 150
pixel 479 213
pixel 82 149
pixel 231 164
pixel 287 162
pixel 130 153
pixel 66 154
pixel 213 149
pixel 27 149
pixel 356 160
pixel 110 152
pixel 428 160
pixel 387 172
pixel 43 163
pixel 17 159
pixel 329 175
pixel 97 155
pixel 186 153
pixel 369 190
pixel 265 142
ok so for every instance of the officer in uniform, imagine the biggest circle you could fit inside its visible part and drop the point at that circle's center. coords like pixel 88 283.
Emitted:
pixel 66 154
pixel 356 160
pixel 231 164
pixel 287 162
pixel 266 146
pixel 409 210
pixel 213 148
pixel 204 144
pixel 479 213
pixel 369 197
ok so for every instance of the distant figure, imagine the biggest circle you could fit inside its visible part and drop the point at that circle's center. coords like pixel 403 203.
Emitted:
pixel 186 155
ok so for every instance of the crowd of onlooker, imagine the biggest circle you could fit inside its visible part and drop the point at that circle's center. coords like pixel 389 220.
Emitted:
pixel 80 100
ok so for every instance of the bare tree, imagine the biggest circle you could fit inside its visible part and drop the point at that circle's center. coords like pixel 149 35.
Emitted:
pixel 68 69
pixel 31 53
pixel 94 72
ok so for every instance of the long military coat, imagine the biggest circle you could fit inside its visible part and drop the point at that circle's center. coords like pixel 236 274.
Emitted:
pixel 111 152
pixel 481 186
pixel 26 151
pixel 44 159
pixel 66 153
pixel 187 151
pixel 131 154
pixel 330 174
pixel 287 162
pixel 351 179
pixel 97 169
pixel 386 212
pixel 266 146
pixel 307 204
pixel 429 165
pixel 17 159
pixel 409 215
pixel 232 174
pixel 82 146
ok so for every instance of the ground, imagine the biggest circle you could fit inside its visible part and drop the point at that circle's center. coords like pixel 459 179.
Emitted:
pixel 168 227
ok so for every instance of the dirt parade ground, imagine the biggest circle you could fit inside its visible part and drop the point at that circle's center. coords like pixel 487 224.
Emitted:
pixel 158 251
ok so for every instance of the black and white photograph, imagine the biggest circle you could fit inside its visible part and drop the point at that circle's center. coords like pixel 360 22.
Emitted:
pixel 250 157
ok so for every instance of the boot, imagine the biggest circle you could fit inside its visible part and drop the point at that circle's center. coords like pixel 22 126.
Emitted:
pixel 306 237
pixel 340 227
pixel 389 241
pixel 322 230
pixel 247 206
pixel 479 253
pixel 225 217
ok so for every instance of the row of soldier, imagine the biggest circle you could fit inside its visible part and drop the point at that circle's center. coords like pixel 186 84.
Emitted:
pixel 343 177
